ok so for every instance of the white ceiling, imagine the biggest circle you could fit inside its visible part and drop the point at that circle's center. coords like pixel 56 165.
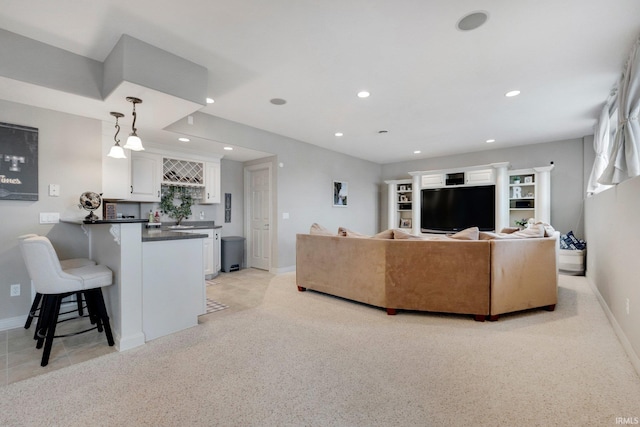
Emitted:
pixel 433 87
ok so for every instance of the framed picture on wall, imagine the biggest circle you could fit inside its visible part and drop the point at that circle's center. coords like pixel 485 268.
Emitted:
pixel 340 194
pixel 18 162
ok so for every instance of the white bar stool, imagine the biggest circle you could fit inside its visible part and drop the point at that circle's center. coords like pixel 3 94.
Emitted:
pixel 54 283
pixel 65 264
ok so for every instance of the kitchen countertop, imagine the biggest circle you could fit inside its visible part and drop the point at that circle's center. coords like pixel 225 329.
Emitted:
pixel 151 235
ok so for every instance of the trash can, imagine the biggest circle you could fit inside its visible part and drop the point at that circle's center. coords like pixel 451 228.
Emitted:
pixel 232 253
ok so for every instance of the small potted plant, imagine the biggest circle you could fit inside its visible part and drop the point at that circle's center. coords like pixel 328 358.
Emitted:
pixel 522 223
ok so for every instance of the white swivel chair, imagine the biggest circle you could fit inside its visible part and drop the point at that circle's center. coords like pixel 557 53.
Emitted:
pixel 54 283
pixel 65 264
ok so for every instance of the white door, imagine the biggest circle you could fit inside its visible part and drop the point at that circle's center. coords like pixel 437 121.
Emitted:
pixel 259 216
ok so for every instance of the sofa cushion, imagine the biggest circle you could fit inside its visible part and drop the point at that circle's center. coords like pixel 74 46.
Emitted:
pixel 471 233
pixel 345 232
pixel 317 229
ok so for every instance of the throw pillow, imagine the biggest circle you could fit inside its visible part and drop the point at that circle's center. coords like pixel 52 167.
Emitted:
pixel 317 229
pixel 345 232
pixel 401 234
pixel 548 229
pixel 386 234
pixel 471 233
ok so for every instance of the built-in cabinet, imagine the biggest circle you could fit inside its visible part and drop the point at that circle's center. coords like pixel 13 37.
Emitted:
pixel 529 195
pixel 519 194
pixel 400 203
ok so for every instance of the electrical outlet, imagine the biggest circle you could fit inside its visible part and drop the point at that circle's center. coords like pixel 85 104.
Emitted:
pixel 627 305
pixel 15 290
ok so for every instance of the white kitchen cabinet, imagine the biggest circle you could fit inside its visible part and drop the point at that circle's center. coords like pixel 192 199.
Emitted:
pixel 210 250
pixel 217 251
pixel 211 193
pixel 146 176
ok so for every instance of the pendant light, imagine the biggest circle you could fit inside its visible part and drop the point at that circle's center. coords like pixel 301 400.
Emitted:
pixel 116 151
pixel 133 142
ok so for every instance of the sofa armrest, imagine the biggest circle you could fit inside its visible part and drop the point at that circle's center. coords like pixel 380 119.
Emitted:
pixel 524 274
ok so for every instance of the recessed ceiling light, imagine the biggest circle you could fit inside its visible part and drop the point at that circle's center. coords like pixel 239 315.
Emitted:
pixel 228 148
pixel 417 152
pixel 183 139
pixel 278 101
pixel 338 134
pixel 512 93
pixel 472 21
pixel 210 101
pixel 489 141
pixel 363 94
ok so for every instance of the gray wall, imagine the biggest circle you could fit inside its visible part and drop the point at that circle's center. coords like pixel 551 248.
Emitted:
pixel 567 177
pixel 304 183
pixel 69 154
pixel 613 246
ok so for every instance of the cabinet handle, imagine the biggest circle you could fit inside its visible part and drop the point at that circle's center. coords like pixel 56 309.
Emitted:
pixel 208 196
pixel 158 193
pixel 132 189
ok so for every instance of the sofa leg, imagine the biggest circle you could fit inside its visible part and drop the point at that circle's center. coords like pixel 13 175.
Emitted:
pixel 479 317
pixel 493 317
pixel 550 307
pixel 301 289
pixel 391 311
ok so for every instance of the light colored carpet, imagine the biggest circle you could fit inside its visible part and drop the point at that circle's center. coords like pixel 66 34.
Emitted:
pixel 307 359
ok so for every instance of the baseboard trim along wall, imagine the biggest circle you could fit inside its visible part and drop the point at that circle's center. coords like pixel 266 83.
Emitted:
pixel 12 323
pixel 283 270
pixel 626 344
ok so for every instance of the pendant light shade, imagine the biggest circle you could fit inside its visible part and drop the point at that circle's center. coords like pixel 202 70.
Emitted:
pixel 134 143
pixel 116 151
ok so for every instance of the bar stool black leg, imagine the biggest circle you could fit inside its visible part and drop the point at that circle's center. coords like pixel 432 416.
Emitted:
pixel 79 303
pixel 32 311
pixel 52 321
pixel 103 316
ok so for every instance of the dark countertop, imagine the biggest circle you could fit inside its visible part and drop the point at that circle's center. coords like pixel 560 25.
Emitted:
pixel 155 235
pixel 115 221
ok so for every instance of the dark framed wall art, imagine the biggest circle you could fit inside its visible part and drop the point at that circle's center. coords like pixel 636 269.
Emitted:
pixel 18 162
pixel 340 194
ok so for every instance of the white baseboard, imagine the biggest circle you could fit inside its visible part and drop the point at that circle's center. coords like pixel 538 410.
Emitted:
pixel 628 348
pixel 12 323
pixel 282 270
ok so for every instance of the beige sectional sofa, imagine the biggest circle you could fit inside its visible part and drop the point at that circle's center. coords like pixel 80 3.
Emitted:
pixel 483 278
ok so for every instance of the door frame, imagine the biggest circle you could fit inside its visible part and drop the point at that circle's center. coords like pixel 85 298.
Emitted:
pixel 247 209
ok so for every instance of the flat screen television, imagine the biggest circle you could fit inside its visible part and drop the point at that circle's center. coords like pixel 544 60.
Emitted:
pixel 457 208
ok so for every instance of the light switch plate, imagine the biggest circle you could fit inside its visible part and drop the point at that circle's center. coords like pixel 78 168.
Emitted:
pixel 49 217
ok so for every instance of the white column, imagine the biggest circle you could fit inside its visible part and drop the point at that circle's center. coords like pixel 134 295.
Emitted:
pixel 502 196
pixel 392 197
pixel 543 194
pixel 416 202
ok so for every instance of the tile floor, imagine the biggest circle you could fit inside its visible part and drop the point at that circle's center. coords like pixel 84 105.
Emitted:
pixel 19 358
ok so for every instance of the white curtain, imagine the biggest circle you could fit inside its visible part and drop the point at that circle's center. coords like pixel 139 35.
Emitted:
pixel 624 157
pixel 601 145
